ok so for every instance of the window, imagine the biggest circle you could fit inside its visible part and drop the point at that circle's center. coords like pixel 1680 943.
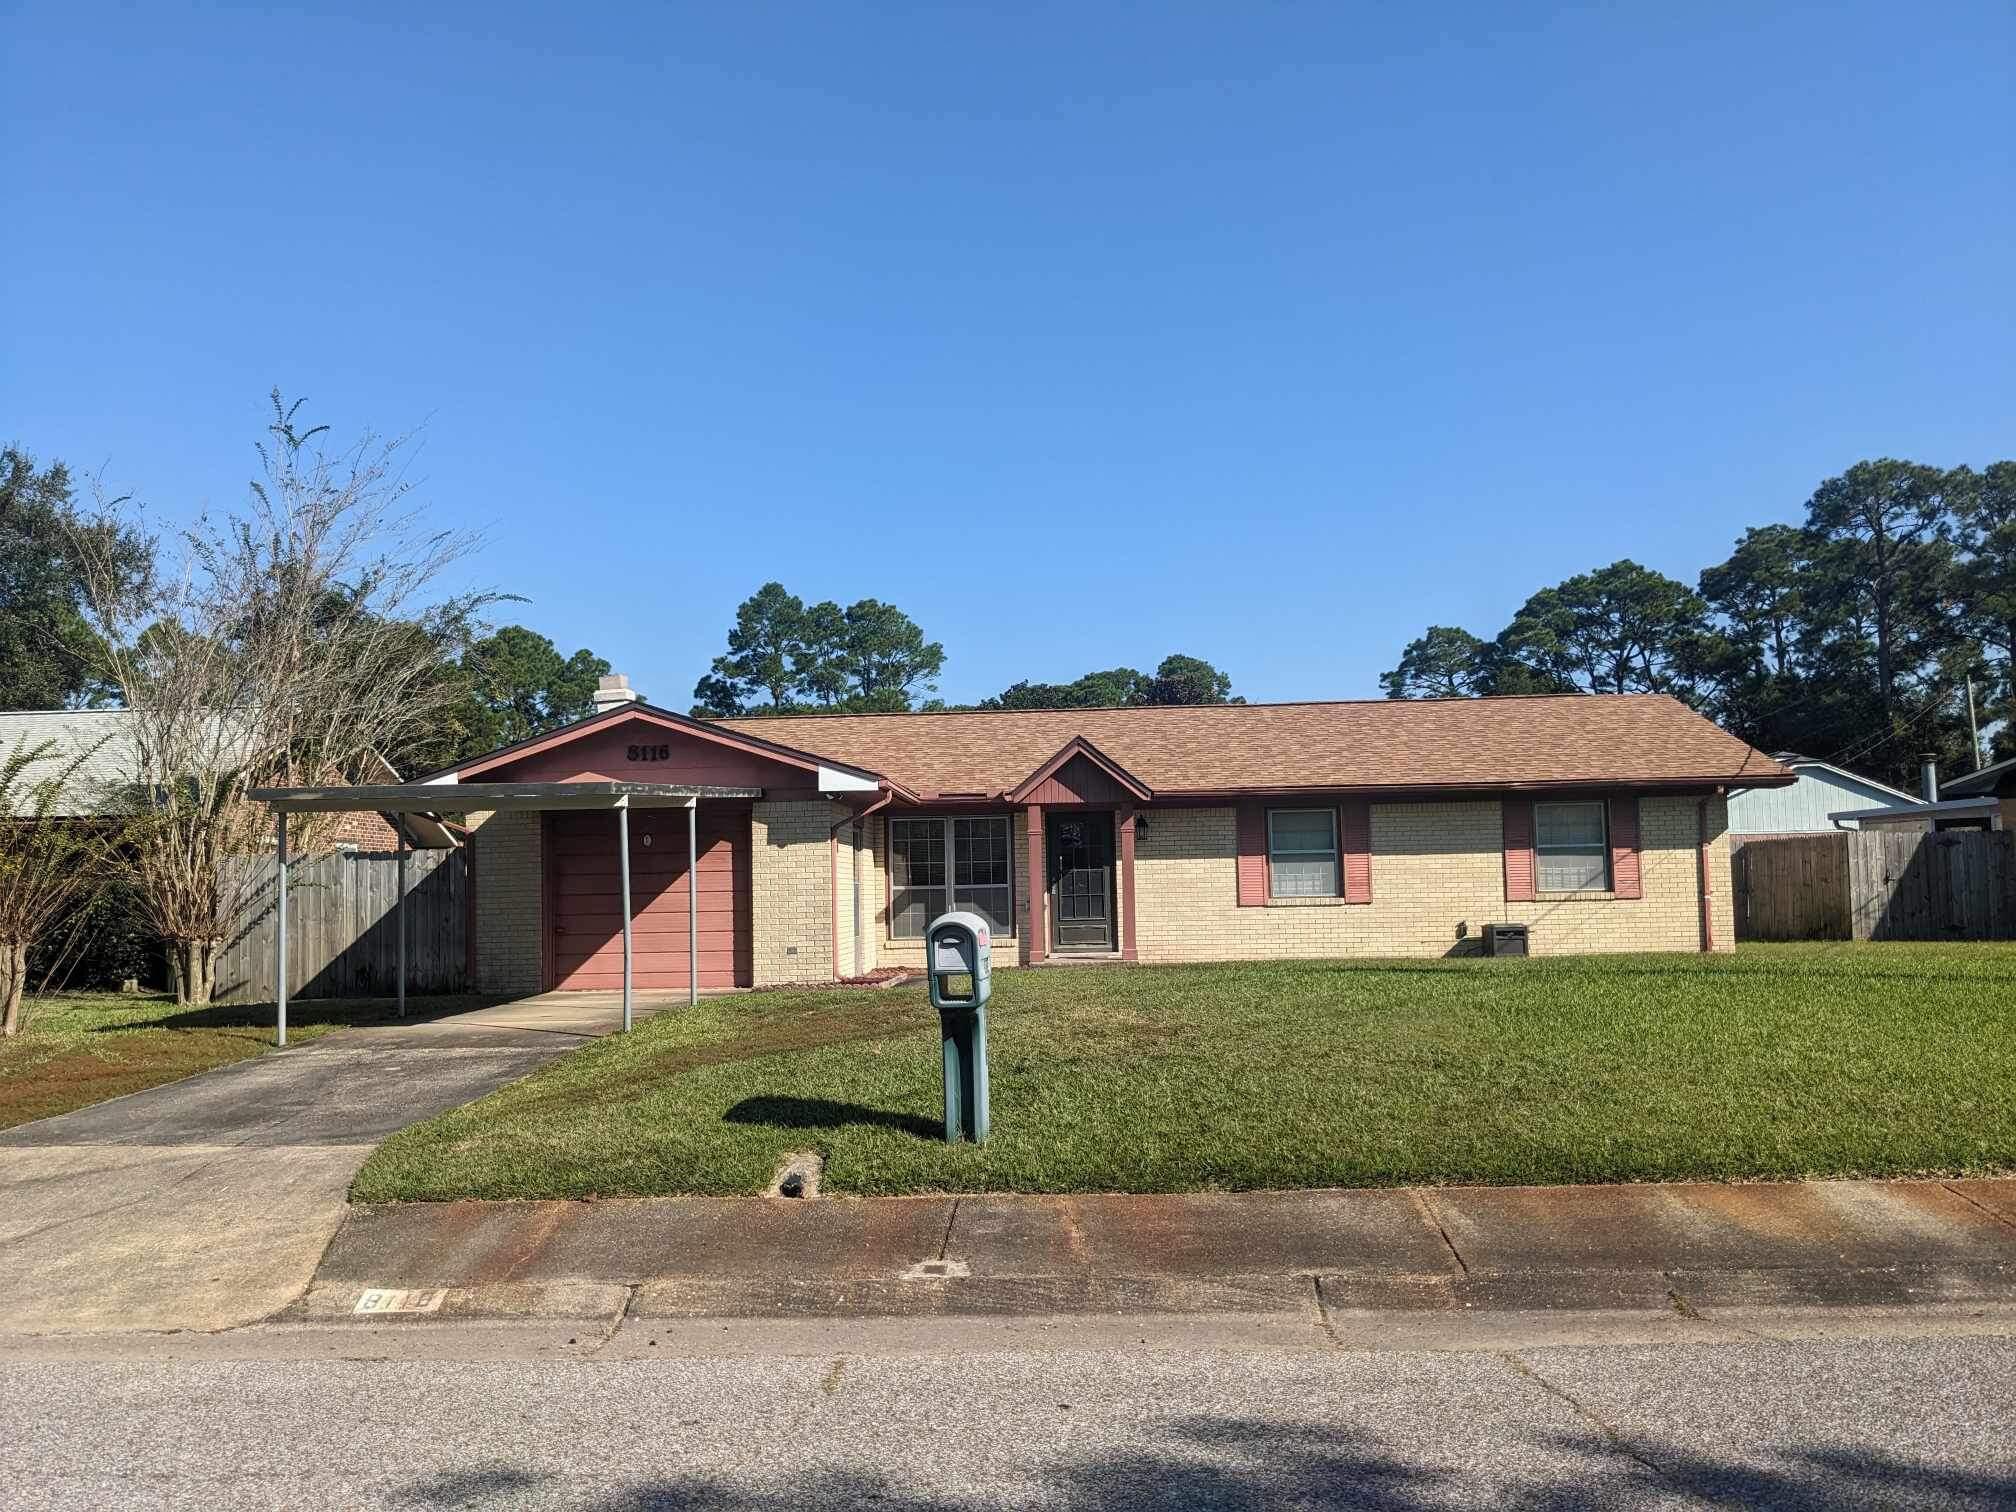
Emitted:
pixel 916 875
pixel 1571 847
pixel 983 858
pixel 1302 853
pixel 937 865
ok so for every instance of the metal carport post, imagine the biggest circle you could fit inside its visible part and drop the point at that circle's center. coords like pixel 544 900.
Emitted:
pixel 623 870
pixel 399 917
pixel 692 901
pixel 280 929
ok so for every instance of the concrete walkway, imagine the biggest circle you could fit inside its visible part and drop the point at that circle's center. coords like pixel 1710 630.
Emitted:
pixel 207 1202
pixel 1658 1251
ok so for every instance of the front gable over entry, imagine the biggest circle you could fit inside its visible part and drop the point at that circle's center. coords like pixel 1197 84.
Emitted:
pixel 641 743
pixel 1080 773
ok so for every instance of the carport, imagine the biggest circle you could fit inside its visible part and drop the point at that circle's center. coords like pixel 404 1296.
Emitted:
pixel 430 799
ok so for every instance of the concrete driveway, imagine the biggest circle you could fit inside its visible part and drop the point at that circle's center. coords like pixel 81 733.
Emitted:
pixel 585 1015
pixel 206 1203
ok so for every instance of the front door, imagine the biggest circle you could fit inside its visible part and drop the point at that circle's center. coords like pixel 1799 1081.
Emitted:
pixel 1080 854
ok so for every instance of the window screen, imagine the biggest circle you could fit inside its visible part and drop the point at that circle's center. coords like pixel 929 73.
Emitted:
pixel 936 865
pixel 916 875
pixel 1302 853
pixel 982 860
pixel 1571 847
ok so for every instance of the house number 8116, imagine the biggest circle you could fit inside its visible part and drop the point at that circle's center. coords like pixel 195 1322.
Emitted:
pixel 649 753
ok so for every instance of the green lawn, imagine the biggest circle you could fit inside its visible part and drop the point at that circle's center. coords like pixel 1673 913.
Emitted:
pixel 1781 1061
pixel 81 1048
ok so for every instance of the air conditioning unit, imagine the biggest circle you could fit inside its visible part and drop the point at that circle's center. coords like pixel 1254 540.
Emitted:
pixel 1506 940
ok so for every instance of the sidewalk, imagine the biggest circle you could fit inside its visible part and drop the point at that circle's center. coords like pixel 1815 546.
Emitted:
pixel 1684 1251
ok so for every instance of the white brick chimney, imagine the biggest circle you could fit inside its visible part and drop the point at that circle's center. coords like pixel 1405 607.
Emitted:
pixel 615 690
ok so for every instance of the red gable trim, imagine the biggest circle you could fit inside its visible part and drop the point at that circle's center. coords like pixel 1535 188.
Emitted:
pixel 664 719
pixel 1078 745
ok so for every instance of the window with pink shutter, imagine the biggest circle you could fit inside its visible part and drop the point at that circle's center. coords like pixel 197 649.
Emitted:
pixel 1519 866
pixel 1252 840
pixel 1355 820
pixel 1625 877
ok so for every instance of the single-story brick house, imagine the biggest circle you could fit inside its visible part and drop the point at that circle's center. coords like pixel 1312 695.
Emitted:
pixel 826 843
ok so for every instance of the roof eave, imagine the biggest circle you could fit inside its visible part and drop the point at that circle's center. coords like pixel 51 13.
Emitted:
pixel 1702 784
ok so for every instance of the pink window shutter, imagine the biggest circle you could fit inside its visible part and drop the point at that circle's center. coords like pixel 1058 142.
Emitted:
pixel 1519 864
pixel 1252 855
pixel 1354 841
pixel 1625 878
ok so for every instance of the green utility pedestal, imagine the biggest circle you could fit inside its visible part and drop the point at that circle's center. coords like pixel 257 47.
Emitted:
pixel 958 960
pixel 965 1074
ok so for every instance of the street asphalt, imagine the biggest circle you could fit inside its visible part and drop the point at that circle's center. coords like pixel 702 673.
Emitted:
pixel 1892 1422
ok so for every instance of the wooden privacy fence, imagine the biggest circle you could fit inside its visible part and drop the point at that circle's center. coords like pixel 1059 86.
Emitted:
pixel 342 936
pixel 1793 889
pixel 1878 885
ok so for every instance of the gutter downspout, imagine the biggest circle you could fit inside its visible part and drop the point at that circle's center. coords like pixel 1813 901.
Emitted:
pixel 1707 879
pixel 833 884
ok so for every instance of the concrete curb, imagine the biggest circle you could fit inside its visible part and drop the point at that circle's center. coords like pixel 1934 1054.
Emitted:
pixel 1333 1259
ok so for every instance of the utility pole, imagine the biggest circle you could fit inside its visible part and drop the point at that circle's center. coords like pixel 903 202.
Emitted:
pixel 1973 725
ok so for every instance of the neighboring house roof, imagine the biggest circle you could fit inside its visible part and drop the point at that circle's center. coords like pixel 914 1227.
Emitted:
pixel 103 737
pixel 1562 740
pixel 1990 779
pixel 1797 763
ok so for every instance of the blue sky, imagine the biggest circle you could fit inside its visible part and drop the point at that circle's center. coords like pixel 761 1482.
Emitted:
pixel 1085 333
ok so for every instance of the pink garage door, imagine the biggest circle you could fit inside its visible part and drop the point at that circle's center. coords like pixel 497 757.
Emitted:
pixel 585 909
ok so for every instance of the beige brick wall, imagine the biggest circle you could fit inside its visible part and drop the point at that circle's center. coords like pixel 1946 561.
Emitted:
pixel 1433 865
pixel 1008 949
pixel 509 871
pixel 856 873
pixel 791 891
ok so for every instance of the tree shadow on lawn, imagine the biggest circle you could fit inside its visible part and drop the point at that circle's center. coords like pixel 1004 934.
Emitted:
pixel 824 1113
pixel 344 1012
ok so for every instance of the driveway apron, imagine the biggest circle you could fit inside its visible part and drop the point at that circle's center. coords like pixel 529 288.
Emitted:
pixel 206 1203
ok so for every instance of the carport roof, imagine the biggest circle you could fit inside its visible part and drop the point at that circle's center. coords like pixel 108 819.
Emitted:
pixel 492 797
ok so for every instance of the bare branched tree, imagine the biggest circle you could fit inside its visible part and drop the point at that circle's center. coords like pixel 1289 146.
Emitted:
pixel 286 645
pixel 47 859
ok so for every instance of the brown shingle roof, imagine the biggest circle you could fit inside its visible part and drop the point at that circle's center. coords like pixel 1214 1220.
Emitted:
pixel 1430 743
